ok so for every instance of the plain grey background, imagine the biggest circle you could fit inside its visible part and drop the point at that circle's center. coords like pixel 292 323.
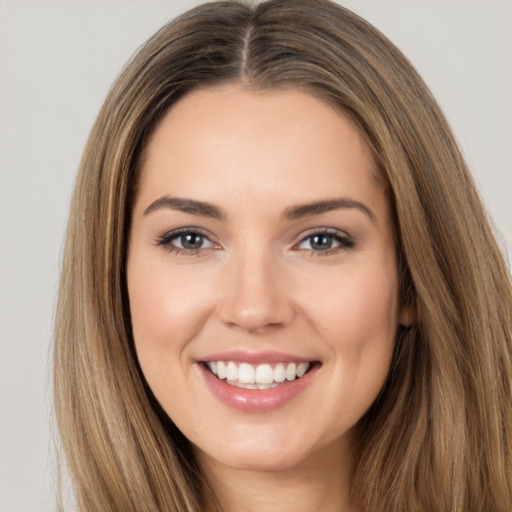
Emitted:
pixel 57 61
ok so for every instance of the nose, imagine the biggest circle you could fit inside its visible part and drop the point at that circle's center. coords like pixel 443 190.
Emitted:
pixel 255 297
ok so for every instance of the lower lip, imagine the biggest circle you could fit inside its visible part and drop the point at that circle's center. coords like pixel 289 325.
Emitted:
pixel 257 400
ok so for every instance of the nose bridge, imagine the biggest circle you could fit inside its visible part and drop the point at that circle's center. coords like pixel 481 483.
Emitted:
pixel 254 296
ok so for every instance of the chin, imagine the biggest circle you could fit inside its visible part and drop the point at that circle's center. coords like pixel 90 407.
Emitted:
pixel 267 451
pixel 261 460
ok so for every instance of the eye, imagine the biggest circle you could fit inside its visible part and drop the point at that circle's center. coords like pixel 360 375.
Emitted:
pixel 186 241
pixel 326 241
pixel 191 241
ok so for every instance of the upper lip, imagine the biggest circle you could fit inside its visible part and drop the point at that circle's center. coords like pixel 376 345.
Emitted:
pixel 242 356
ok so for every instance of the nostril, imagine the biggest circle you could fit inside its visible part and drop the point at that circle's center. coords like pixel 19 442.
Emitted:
pixel 255 298
pixel 251 319
pixel 256 319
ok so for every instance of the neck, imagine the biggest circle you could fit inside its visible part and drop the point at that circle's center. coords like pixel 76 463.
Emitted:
pixel 320 483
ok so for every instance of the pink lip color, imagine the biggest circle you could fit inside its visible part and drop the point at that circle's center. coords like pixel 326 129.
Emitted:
pixel 256 400
pixel 240 356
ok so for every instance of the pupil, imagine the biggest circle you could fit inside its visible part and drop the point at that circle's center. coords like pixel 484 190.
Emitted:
pixel 191 241
pixel 321 242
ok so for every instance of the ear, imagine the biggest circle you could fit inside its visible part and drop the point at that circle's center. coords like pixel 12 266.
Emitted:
pixel 407 315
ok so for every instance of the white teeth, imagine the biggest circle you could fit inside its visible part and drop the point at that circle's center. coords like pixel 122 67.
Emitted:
pixel 267 386
pixel 221 370
pixel 262 376
pixel 246 374
pixel 291 371
pixel 243 385
pixel 302 369
pixel 279 373
pixel 231 371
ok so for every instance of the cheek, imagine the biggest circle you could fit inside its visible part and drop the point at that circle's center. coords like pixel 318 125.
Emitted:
pixel 357 321
pixel 354 307
pixel 168 306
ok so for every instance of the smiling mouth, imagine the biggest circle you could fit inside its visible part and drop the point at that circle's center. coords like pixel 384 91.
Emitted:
pixel 261 376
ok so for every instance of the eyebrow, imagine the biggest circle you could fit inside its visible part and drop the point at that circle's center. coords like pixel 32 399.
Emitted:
pixel 188 206
pixel 204 209
pixel 318 207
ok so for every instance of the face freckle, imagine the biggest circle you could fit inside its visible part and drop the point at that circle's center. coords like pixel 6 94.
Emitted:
pixel 261 247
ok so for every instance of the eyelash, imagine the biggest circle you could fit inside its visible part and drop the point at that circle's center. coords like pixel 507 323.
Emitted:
pixel 166 241
pixel 345 242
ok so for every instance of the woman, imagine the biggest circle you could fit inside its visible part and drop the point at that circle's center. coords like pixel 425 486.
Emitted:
pixel 280 289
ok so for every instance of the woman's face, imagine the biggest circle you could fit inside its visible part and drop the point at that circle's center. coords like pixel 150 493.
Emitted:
pixel 261 248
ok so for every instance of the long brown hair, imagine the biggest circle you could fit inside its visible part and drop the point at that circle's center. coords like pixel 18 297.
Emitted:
pixel 439 436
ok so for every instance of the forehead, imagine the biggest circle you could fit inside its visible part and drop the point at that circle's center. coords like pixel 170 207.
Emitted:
pixel 221 142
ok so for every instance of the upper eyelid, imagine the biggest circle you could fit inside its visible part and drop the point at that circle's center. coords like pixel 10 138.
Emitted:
pixel 188 229
pixel 326 230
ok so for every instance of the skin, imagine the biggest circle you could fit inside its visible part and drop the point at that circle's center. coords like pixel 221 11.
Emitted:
pixel 258 284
